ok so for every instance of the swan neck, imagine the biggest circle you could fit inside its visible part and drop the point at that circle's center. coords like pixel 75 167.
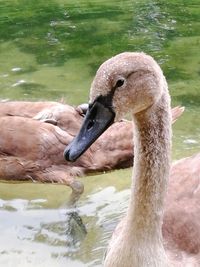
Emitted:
pixel 152 143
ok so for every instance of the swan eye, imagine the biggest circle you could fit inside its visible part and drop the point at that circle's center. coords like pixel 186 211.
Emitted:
pixel 119 83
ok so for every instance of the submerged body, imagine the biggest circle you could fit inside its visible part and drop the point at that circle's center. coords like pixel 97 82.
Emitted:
pixel 133 82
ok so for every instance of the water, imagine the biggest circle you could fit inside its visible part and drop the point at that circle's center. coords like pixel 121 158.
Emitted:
pixel 50 50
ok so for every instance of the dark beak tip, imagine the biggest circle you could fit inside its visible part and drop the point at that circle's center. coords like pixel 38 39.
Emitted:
pixel 98 118
pixel 67 155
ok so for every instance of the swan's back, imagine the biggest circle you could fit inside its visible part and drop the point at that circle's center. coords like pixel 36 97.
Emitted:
pixel 181 227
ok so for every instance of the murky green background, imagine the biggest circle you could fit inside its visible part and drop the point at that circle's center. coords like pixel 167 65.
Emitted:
pixel 50 50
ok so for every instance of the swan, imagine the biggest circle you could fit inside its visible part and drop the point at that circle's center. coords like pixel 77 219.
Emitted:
pixel 29 115
pixel 34 134
pixel 134 82
pixel 27 109
pixel 35 153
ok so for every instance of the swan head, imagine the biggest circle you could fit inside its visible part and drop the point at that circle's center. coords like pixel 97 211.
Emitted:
pixel 131 81
pixel 127 82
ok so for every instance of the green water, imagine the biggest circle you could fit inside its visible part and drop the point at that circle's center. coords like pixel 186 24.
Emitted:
pixel 50 50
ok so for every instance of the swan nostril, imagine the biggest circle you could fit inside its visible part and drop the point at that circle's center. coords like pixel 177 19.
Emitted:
pixel 90 124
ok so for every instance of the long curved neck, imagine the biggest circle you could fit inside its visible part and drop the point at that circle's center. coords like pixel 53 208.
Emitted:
pixel 152 142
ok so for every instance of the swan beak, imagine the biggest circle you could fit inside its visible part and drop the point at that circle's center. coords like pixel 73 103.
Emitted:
pixel 98 118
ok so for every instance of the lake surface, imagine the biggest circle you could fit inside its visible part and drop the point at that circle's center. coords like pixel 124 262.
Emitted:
pixel 50 50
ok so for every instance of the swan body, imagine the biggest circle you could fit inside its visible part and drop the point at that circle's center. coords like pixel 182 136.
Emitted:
pixel 59 123
pixel 34 134
pixel 26 109
pixel 181 224
pixel 134 82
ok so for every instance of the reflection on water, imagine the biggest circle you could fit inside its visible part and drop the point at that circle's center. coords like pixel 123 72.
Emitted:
pixel 51 50
pixel 35 237
pixel 32 235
